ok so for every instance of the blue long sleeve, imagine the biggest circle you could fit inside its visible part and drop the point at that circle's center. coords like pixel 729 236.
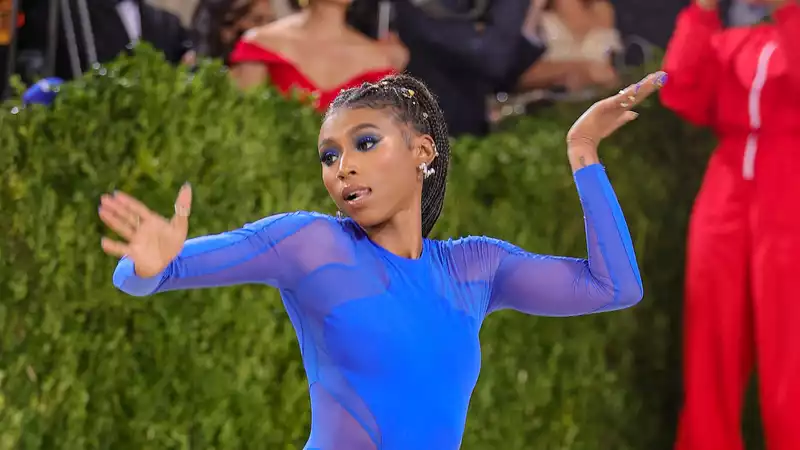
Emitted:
pixel 267 251
pixel 558 286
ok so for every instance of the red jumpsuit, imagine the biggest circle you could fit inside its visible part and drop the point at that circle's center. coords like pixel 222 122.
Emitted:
pixel 742 298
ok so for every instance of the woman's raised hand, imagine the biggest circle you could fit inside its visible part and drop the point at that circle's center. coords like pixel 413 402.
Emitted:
pixel 151 241
pixel 607 115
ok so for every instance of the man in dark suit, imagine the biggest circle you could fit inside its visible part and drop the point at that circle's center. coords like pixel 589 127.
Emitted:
pixel 465 60
pixel 100 32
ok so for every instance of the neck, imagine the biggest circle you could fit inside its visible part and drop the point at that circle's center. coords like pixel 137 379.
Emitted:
pixel 325 18
pixel 402 235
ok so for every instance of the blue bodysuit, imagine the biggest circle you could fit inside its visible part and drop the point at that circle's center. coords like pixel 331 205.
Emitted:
pixel 389 344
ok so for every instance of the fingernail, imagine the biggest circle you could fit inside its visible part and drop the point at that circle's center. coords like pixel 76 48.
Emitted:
pixel 635 115
pixel 661 80
pixel 187 184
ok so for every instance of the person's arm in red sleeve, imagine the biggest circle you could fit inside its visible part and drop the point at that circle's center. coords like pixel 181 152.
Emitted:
pixel 692 64
pixel 787 20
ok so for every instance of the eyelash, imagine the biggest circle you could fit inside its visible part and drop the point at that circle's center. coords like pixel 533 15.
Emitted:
pixel 363 141
pixel 328 157
pixel 363 144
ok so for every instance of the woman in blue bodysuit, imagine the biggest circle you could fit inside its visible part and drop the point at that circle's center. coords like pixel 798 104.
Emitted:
pixel 387 319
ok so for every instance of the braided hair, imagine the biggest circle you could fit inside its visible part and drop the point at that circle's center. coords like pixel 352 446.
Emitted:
pixel 413 104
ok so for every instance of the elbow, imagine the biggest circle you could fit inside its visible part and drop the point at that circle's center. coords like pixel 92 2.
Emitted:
pixel 628 295
pixel 125 280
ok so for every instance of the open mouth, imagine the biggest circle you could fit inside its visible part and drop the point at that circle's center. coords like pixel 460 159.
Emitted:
pixel 354 196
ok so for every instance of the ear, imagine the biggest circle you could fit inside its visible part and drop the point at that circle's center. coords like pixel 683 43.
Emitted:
pixel 424 149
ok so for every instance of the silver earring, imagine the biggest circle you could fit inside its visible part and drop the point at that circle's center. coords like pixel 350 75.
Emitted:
pixel 426 172
pixel 339 215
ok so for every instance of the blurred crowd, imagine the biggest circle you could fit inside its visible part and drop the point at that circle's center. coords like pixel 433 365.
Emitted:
pixel 484 59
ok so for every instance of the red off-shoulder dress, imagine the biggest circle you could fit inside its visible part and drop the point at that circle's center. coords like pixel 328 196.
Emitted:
pixel 285 76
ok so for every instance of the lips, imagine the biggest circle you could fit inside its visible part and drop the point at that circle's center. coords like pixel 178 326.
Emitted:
pixel 354 195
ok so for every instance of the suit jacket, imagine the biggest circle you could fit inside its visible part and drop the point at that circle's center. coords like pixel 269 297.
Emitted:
pixel 464 62
pixel 159 28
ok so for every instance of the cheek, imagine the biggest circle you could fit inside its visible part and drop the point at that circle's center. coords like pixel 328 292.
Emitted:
pixel 329 180
pixel 395 174
pixel 396 168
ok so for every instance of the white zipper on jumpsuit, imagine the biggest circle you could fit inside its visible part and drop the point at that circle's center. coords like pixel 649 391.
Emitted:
pixel 754 110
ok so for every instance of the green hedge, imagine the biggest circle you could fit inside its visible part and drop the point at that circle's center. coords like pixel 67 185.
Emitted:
pixel 83 366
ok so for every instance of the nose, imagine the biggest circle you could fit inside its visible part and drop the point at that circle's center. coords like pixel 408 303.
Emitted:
pixel 347 167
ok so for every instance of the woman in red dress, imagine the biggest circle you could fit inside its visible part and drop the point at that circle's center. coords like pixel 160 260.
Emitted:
pixel 742 299
pixel 314 51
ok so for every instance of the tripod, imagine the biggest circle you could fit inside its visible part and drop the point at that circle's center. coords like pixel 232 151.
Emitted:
pixel 41 62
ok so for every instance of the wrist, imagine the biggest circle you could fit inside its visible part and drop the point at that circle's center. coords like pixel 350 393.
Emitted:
pixel 584 147
pixel 581 155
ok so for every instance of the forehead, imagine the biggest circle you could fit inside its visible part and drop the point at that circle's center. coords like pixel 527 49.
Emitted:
pixel 343 120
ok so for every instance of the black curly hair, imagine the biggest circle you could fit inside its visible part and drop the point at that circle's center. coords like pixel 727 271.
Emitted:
pixel 414 105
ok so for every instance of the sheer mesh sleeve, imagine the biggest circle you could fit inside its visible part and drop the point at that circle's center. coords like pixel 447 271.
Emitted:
pixel 278 251
pixel 560 286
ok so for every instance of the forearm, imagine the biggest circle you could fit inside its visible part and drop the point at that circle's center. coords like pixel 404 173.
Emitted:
pixel 546 74
pixel 691 43
pixel 582 154
pixel 208 261
pixel 248 75
pixel 693 65
pixel 612 260
pixel 260 252
pixel 558 286
pixel 787 20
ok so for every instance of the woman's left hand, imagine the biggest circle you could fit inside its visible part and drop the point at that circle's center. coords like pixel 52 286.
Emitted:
pixel 607 115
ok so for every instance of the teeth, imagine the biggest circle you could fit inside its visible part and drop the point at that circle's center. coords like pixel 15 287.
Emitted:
pixel 354 195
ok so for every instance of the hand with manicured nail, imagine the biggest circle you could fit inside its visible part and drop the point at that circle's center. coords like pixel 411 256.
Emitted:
pixel 607 115
pixel 152 241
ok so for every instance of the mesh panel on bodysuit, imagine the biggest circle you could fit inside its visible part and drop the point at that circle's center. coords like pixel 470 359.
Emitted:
pixel 285 251
pixel 484 275
pixel 336 406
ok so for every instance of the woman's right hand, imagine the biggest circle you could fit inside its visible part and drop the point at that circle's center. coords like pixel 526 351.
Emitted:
pixel 707 4
pixel 152 241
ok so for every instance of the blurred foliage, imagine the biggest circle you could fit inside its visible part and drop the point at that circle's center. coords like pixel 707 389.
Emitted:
pixel 83 366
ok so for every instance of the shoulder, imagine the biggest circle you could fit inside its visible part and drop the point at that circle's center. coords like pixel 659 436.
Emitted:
pixel 477 242
pixel 295 221
pixel 477 248
pixel 305 233
pixel 369 49
pixel 273 35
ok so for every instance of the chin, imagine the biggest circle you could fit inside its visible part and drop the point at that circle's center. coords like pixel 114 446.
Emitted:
pixel 366 218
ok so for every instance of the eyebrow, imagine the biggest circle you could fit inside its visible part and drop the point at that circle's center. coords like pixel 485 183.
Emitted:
pixel 328 141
